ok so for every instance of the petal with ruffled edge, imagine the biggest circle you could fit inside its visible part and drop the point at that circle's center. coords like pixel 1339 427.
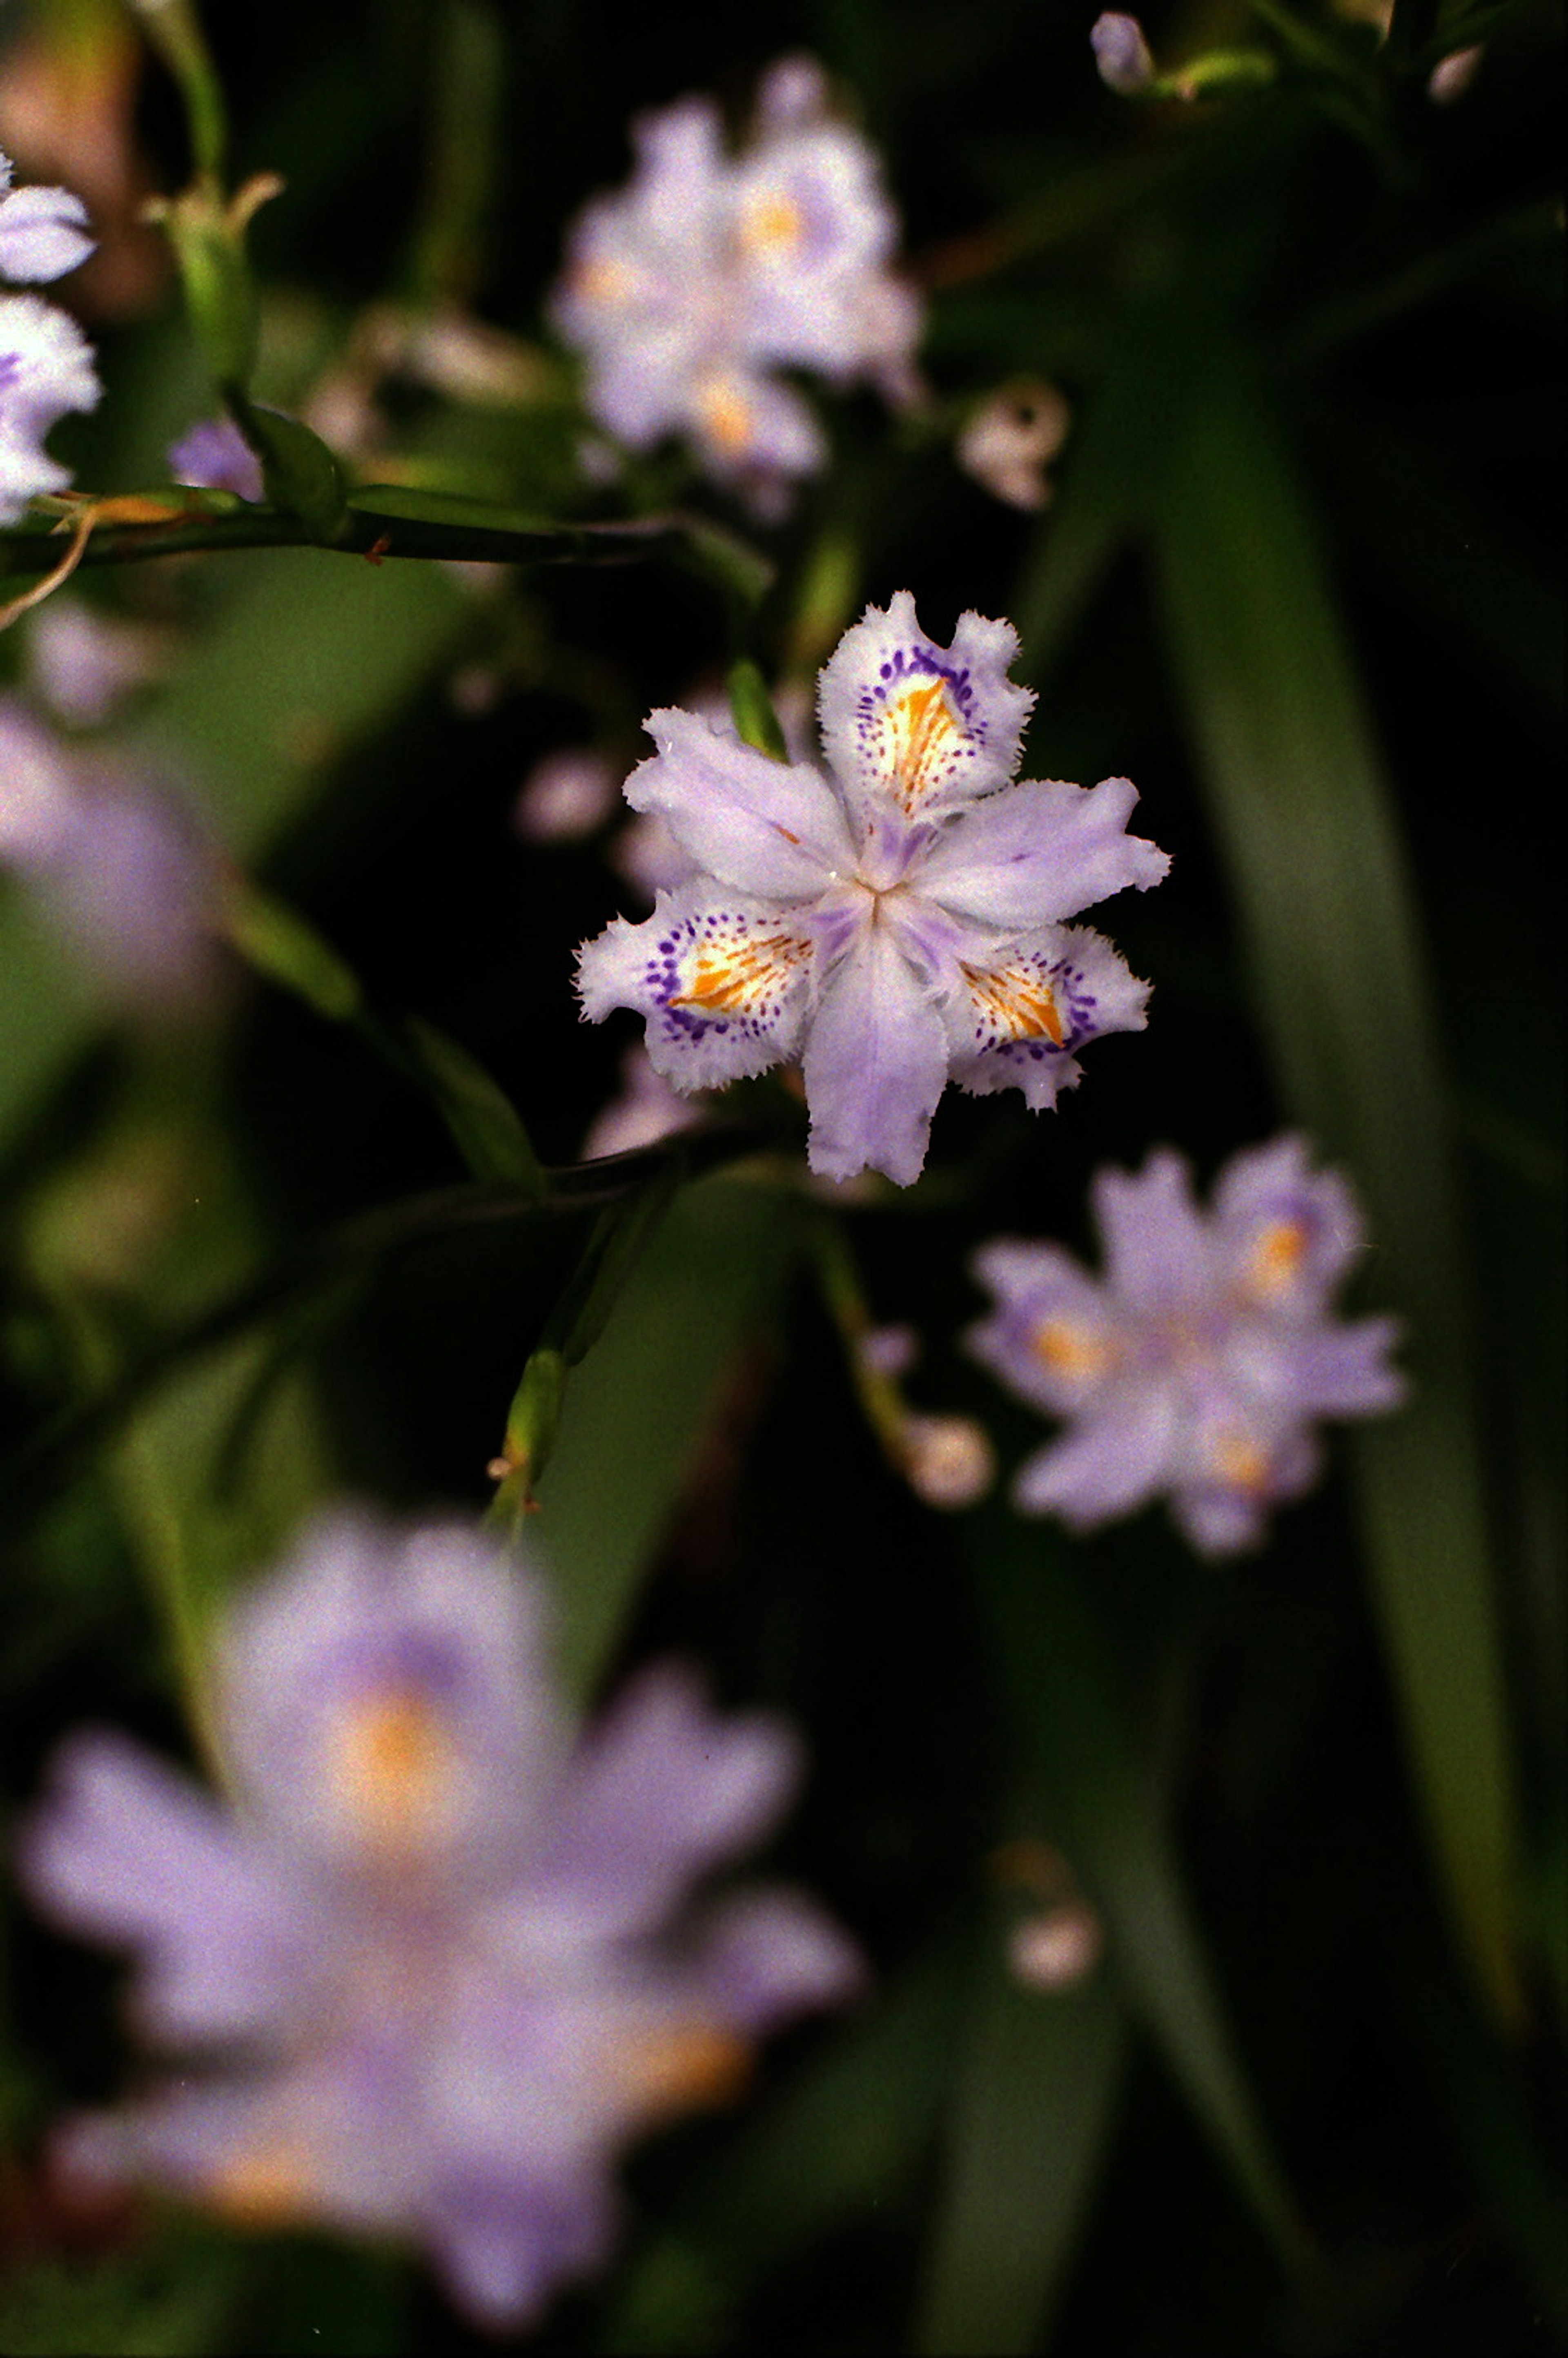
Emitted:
pixel 767 827
pixel 1054 1336
pixel 1108 1464
pixel 1321 1369
pixel 43 233
pixel 1288 1234
pixel 876 1062
pixel 721 982
pixel 918 728
pixel 1015 1022
pixel 751 426
pixel 661 1790
pixel 502 2251
pixel 1159 1254
pixel 1038 854
pixel 125 1851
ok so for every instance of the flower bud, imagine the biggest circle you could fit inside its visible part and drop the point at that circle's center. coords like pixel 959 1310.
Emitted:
pixel 1121 53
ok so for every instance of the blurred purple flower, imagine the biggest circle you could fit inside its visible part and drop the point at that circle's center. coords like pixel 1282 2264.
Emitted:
pixel 687 291
pixel 43 231
pixel 1198 1367
pixel 898 922
pixel 440 1962
pixel 214 456
pixel 566 796
pixel 84 664
pixel 117 864
pixel 46 370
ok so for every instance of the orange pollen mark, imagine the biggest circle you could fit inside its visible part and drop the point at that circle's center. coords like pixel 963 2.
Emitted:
pixel 1069 1350
pixel 726 418
pixel 729 985
pixel 923 719
pixel 265 2186
pixel 1239 1463
pixel 603 282
pixel 687 2066
pixel 1017 1002
pixel 1277 1255
pixel 772 221
pixel 391 1765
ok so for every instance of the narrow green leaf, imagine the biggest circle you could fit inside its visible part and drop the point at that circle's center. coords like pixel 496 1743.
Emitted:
pixel 638 1404
pixel 483 1122
pixel 842 2140
pixel 1304 818
pixel 1077 1748
pixel 301 475
pixel 752 709
pixel 1033 2107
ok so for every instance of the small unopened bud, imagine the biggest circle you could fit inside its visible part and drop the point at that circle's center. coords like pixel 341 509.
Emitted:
pixel 948 1459
pixel 888 1351
pixel 1452 76
pixel 1121 53
pixel 1012 438
pixel 1056 1950
pixel 565 796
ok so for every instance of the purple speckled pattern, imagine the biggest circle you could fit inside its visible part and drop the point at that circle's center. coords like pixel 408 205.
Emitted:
pixel 689 289
pixel 1199 1366
pixel 443 1954
pixel 895 916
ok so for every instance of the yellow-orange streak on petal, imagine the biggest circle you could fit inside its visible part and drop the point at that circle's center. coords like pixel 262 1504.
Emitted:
pixel 1276 1256
pixel 686 2067
pixel 773 223
pixel 1239 1463
pixel 391 1765
pixel 1069 1350
pixel 265 2185
pixel 731 982
pixel 1017 1002
pixel 726 419
pixel 916 731
pixel 602 282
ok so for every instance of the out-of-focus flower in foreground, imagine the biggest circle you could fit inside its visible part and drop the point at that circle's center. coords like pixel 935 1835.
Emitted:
pixel 119 866
pixel 439 1964
pixel 688 291
pixel 1199 1365
pixel 85 664
pixel 896 919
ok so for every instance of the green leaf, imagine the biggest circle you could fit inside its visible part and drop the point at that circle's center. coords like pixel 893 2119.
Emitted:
pixel 483 1122
pixel 840 2142
pixel 753 709
pixel 1033 2107
pixel 1100 1800
pixel 638 1405
pixel 301 475
pixel 1304 819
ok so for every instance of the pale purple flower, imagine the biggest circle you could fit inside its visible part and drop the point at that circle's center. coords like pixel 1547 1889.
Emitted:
pixel 46 370
pixel 440 1962
pixel 214 456
pixel 1121 53
pixel 117 865
pixel 689 289
pixel 895 918
pixel 85 664
pixel 43 231
pixel 1198 1367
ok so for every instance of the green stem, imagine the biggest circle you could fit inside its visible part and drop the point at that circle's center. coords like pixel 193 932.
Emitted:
pixel 174 30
